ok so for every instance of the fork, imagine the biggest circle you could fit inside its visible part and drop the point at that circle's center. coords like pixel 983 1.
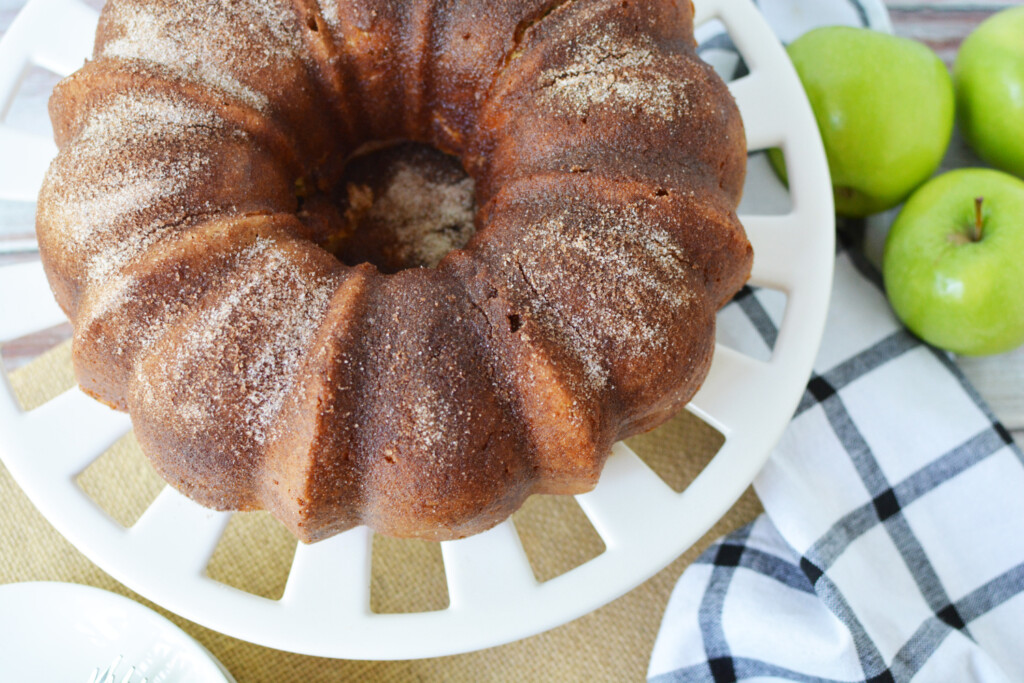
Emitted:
pixel 107 675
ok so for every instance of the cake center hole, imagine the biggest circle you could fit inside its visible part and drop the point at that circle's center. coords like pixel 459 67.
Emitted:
pixel 404 205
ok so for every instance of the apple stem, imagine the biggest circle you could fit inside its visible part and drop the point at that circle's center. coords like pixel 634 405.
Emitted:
pixel 979 224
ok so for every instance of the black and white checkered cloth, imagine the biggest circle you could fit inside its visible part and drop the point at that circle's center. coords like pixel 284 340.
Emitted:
pixel 892 544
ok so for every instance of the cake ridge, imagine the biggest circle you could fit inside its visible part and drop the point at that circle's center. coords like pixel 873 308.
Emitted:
pixel 522 27
pixel 259 57
pixel 143 33
pixel 134 197
pixel 104 362
pixel 417 45
pixel 215 381
pixel 631 263
pixel 327 56
pixel 124 75
pixel 291 457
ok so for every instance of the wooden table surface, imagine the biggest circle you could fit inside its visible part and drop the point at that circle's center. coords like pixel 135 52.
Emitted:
pixel 942 24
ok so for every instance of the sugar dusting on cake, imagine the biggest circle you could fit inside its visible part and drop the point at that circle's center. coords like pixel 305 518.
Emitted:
pixel 432 421
pixel 249 344
pixel 607 280
pixel 622 74
pixel 329 12
pixel 251 38
pixel 130 195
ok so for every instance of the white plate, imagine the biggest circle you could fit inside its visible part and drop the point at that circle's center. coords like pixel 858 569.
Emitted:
pixel 494 597
pixel 62 632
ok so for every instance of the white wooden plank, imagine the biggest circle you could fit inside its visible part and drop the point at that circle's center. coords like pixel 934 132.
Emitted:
pixel 26 302
pixel 1000 379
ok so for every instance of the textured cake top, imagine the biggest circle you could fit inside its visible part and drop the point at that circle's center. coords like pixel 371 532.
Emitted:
pixel 421 347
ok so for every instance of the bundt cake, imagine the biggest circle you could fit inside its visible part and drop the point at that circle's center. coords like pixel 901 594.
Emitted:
pixel 197 228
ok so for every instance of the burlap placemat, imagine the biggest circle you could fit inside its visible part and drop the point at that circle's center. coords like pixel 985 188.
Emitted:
pixel 611 644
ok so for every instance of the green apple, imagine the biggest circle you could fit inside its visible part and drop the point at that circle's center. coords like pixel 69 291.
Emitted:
pixel 989 76
pixel 954 262
pixel 884 106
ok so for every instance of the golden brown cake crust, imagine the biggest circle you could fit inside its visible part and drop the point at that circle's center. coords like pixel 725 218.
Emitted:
pixel 288 340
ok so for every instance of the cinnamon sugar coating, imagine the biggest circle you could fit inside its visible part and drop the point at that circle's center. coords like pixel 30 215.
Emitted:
pixel 421 350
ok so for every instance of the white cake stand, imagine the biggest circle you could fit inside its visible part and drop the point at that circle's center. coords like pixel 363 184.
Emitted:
pixel 494 597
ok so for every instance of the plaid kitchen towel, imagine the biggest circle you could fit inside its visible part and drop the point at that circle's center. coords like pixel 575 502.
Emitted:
pixel 892 544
